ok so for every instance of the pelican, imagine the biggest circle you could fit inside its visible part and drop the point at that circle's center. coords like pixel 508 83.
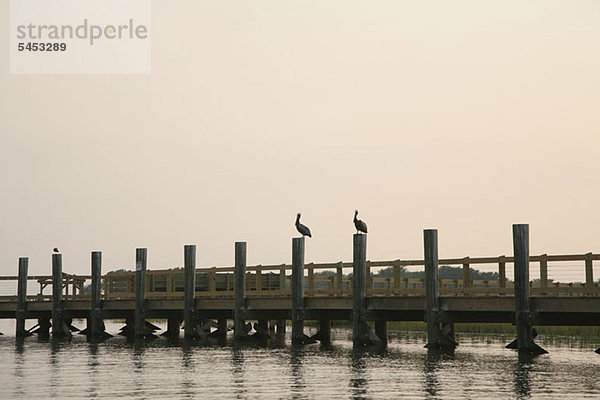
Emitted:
pixel 303 229
pixel 360 225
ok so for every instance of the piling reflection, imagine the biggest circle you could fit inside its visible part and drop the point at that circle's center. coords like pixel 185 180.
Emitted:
pixel 298 384
pixel 55 375
pixel 138 366
pixel 93 369
pixel 432 364
pixel 522 378
pixel 359 383
pixel 19 371
pixel 237 371
pixel 188 367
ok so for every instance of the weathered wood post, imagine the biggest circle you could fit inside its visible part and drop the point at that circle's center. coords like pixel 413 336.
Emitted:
pixel 525 344
pixel 466 276
pixel 189 311
pixel 222 327
pixel 431 289
pixel 325 332
pixel 359 262
pixel 589 274
pixel 239 323
pixel 544 272
pixel 22 298
pixel 141 257
pixel 381 331
pixel 173 326
pixel 43 330
pixel 297 290
pixel 96 329
pixel 58 326
pixel 502 273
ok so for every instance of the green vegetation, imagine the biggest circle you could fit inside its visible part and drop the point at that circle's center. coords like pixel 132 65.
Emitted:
pixel 445 271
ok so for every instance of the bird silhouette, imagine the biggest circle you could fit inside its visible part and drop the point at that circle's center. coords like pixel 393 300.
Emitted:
pixel 303 229
pixel 56 250
pixel 360 225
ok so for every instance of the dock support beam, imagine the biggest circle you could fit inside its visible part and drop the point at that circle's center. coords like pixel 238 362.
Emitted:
pixel 441 339
pixel 281 327
pixel 297 290
pixel 239 323
pixel 189 312
pixel 325 332
pixel 43 330
pixel 432 312
pixel 59 329
pixel 381 331
pixel 141 257
pixel 173 327
pixel 96 329
pixel 22 298
pixel 525 344
pixel 359 262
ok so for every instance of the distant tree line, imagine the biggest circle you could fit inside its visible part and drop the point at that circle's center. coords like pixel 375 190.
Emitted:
pixel 445 272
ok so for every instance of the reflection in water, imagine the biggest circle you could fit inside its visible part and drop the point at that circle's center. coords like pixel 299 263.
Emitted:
pixel 55 375
pixel 432 364
pixel 188 365
pixel 522 379
pixel 238 371
pixel 358 381
pixel 138 366
pixel 156 370
pixel 298 384
pixel 19 369
pixel 92 387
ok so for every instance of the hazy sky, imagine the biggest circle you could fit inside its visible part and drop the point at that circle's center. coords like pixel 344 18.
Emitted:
pixel 466 116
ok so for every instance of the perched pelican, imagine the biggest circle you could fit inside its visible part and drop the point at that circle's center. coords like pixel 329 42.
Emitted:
pixel 360 225
pixel 56 250
pixel 303 229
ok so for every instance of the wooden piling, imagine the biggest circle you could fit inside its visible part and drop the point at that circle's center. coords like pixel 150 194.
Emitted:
pixel 325 332
pixel 525 343
pixel 359 262
pixel 173 327
pixel 502 272
pixel 589 274
pixel 239 323
pixel 222 327
pixel 58 327
pixel 141 257
pixel 431 289
pixel 43 330
pixel 466 275
pixel 297 290
pixel 281 327
pixel 96 328
pixel 544 271
pixel 381 331
pixel 189 311
pixel 22 297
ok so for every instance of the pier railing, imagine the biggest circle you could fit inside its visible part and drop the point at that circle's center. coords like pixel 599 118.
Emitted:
pixel 332 279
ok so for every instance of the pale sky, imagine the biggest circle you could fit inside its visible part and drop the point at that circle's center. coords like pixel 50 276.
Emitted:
pixel 465 116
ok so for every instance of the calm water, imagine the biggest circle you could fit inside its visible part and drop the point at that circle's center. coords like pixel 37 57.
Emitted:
pixel 116 369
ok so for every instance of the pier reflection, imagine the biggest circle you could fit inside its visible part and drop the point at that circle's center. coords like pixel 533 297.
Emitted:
pixel 93 372
pixel 238 371
pixel 188 367
pixel 296 361
pixel 431 366
pixel 522 378
pixel 359 383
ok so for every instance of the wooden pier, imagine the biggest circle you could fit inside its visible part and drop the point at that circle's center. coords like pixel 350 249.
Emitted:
pixel 272 294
